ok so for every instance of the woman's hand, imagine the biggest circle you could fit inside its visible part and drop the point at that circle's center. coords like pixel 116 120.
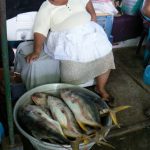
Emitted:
pixel 32 57
pixel 38 46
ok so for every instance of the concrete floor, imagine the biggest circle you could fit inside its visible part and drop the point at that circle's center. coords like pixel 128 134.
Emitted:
pixel 139 140
pixel 127 86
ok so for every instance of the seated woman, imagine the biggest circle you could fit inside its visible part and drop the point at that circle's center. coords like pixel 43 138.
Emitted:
pixel 67 31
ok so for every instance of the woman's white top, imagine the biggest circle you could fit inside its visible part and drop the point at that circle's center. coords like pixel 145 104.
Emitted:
pixel 73 35
pixel 62 17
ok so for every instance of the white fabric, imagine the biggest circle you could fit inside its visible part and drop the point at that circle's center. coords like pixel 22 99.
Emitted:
pixel 20 27
pixel 104 7
pixel 42 71
pixel 82 44
pixel 35 74
pixel 61 17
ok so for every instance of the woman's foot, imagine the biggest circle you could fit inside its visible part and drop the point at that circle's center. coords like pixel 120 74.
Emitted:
pixel 106 97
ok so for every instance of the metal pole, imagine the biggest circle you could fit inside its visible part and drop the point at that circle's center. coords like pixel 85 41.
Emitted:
pixel 6 75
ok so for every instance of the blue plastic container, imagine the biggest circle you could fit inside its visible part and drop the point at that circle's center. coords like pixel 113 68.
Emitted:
pixel 146 76
pixel 1 132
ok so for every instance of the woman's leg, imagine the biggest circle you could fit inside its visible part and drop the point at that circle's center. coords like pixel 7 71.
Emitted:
pixel 101 81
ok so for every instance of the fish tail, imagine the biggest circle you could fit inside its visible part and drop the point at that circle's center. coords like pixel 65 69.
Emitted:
pixel 113 112
pixel 85 139
pixel 100 134
pixel 114 118
pixel 100 137
pixel 120 108
pixel 75 144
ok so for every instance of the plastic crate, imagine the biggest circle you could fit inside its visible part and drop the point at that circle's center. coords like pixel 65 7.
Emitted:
pixel 106 22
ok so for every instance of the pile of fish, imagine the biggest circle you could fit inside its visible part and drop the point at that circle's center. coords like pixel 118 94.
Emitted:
pixel 74 116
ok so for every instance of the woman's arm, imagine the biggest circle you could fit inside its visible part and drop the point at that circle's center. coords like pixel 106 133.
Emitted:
pixel 38 45
pixel 90 9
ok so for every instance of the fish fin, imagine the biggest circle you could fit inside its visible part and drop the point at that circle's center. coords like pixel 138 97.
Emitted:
pixel 75 144
pixel 99 137
pixel 114 111
pixel 71 134
pixel 104 130
pixel 120 108
pixel 105 144
pixel 114 118
pixel 36 135
pixel 83 127
pixel 85 141
pixel 100 134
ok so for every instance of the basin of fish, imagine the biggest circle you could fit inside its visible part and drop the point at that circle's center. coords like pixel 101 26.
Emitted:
pixel 62 114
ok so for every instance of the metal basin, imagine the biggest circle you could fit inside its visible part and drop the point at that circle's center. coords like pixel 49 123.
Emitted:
pixel 53 89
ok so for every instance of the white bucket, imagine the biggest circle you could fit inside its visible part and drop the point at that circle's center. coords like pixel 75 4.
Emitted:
pixel 26 99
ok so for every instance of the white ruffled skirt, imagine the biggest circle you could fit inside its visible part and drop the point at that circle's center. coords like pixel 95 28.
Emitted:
pixel 81 44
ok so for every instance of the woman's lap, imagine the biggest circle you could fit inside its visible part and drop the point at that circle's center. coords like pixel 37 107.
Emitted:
pixel 77 73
